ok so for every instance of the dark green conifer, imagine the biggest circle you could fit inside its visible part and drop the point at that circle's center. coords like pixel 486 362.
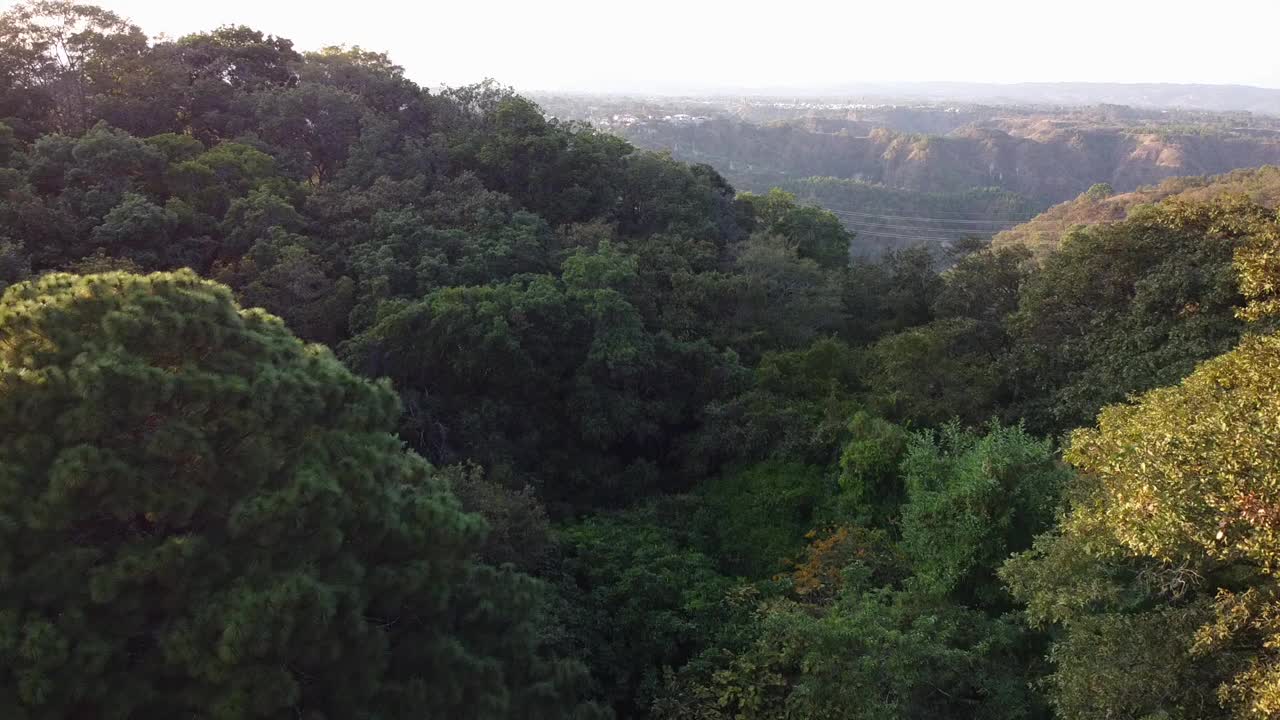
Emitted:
pixel 200 516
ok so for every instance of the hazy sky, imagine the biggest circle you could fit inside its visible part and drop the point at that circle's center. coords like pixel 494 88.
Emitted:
pixel 691 44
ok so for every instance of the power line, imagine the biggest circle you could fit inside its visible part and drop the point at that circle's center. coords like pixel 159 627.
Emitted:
pixel 932 238
pixel 890 226
pixel 923 228
pixel 928 219
pixel 873 220
pixel 872 231
pixel 812 197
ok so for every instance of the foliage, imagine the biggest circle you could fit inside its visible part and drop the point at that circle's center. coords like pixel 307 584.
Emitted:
pixel 639 380
pixel 203 515
pixel 971 500
pixel 1044 233
pixel 519 530
pixel 1127 307
pixel 872 654
pixel 760 514
pixel 1257 261
pixel 871 490
pixel 1170 537
pixel 817 235
pixel 556 374
pixel 796 407
pixel 650 602
pixel 935 372
pixel 820 573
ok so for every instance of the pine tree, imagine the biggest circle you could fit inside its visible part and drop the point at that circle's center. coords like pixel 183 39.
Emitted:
pixel 200 516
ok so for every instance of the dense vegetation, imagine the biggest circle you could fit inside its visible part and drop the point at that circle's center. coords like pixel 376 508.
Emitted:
pixel 528 423
pixel 1101 203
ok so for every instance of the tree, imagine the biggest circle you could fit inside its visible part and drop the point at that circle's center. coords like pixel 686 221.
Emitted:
pixel 136 228
pixel 816 234
pixel 1257 262
pixel 780 300
pixel 659 195
pixel 201 515
pixel 871 489
pixel 1099 191
pixel 566 172
pixel 550 376
pixel 372 76
pixel 759 515
pixel 1127 307
pixel 984 285
pixel 311 128
pixel 1166 558
pixel 282 276
pixel 870 654
pixel 890 294
pixel 221 67
pixel 796 406
pixel 14 265
pixel 648 602
pixel 971 500
pixel 58 56
pixel 935 372
pixel 519 531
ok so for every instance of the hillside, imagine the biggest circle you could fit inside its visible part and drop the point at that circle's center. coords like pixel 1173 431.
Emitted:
pixel 327 395
pixel 1043 233
pixel 900 171
pixel 883 218
pixel 1048 159
pixel 985 171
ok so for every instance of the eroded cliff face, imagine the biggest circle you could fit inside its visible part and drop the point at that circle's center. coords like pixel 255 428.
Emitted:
pixel 1044 159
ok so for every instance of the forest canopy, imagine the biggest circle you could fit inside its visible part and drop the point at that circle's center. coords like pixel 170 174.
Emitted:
pixel 326 395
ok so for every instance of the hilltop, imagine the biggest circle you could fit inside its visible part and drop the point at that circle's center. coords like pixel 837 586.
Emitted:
pixel 1043 233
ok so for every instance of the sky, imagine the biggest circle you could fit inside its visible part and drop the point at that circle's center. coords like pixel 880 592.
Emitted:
pixel 688 45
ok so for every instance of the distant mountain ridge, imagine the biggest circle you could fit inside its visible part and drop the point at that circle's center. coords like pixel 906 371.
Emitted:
pixel 1218 98
pixel 1044 158
pixel 1190 96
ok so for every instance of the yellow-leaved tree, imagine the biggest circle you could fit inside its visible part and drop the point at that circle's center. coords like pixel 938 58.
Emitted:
pixel 1162 573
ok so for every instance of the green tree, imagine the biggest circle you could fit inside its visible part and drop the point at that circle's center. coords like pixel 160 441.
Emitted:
pixel 14 264
pixel 1127 307
pixel 779 299
pixel 648 601
pixel 1161 575
pixel 217 69
pixel 871 654
pixel 60 56
pixel 759 515
pixel 136 228
pixel 282 276
pixel 935 372
pixel 552 376
pixel 984 285
pixel 871 488
pixel 796 407
pixel 310 127
pixel 199 514
pixel 971 500
pixel 889 294
pixel 815 233
pixel 1099 191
